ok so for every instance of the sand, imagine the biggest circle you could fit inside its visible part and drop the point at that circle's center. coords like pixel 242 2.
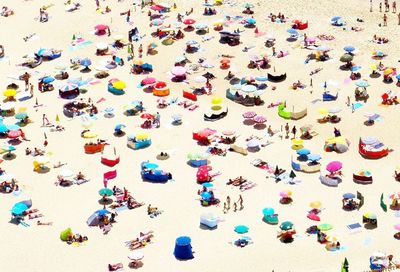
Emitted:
pixel 38 248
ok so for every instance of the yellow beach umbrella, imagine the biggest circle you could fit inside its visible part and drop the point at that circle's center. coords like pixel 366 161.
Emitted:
pixel 388 71
pixel 297 141
pixel 218 23
pixel 373 67
pixel 9 93
pixel 89 134
pixel 120 85
pixel 142 136
pixel 216 100
pixel 118 37
pixel 323 111
pixel 138 62
pixel 315 204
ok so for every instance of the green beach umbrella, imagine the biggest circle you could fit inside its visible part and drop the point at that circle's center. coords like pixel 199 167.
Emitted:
pixel 65 233
pixel 287 225
pixel 325 227
pixel 106 192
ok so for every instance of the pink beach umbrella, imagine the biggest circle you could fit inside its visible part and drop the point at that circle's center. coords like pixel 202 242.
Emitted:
pixel 395 196
pixel 148 81
pixel 14 134
pixel 178 71
pixel 313 217
pixel 260 119
pixel 101 27
pixel 249 114
pixel 189 21
pixel 334 166
pixel 397 227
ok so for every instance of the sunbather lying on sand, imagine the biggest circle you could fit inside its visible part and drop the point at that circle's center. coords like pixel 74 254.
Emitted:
pixel 44 223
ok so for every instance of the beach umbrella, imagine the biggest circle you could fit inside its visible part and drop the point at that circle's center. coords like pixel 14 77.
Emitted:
pixel 287 225
pixel 160 85
pixel 251 21
pixel 349 48
pixel 314 157
pixel 101 27
pixel 241 229
pixel 151 165
pixel 146 116
pixel 249 88
pixel 148 80
pixel 85 62
pixel 205 195
pixel 346 58
pixel 177 116
pixel 315 204
pixel 189 21
pixel 369 215
pixel 253 143
pixel 8 148
pixel 106 192
pixel 395 196
pixel 19 208
pixel 292 31
pixel 228 132
pixel 297 141
pixel 349 196
pixel 3 128
pixel 14 134
pixel 334 110
pixel 157 22
pixel 388 71
pixel 249 114
pixel 286 193
pixel 268 211
pixel 355 68
pixel 397 227
pixel 42 159
pixel 259 119
pixel 65 234
pixel 136 256
pixel 119 126
pixel 208 185
pixel 8 106
pixel 102 212
pixel 68 87
pixel 314 217
pixel 334 166
pixel 167 41
pixel 20 115
pixel 200 79
pixel 144 136
pixel 10 93
pixel 248 5
pixel 102 46
pixel 362 83
pixel 119 85
pixel 201 26
pixel 48 79
pixel 225 61
pixel 303 151
pixel 216 100
pixel 89 135
pixel 178 71
pixel 66 173
pixel 324 227
pixel 336 18
pixel 13 127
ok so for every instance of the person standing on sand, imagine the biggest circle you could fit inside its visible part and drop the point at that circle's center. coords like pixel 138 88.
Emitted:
pixel 128 15
pixel 287 130
pixel 240 201
pixel 294 130
pixel 380 7
pixel 45 121
pixel 398 17
pixel 394 8
pixel 384 19
pixel 228 203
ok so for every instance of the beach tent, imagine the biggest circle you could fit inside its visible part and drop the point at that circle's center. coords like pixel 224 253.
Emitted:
pixel 183 248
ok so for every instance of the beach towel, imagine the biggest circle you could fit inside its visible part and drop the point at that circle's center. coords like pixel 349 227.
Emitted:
pixel 354 228
pixel 121 208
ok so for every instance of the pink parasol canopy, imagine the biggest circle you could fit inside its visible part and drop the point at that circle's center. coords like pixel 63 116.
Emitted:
pixel 148 80
pixel 14 134
pixel 397 227
pixel 249 114
pixel 334 166
pixel 313 217
pixel 189 21
pixel 101 27
pixel 260 119
pixel 178 71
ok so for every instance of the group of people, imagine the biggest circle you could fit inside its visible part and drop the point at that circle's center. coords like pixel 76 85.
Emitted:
pixel 227 204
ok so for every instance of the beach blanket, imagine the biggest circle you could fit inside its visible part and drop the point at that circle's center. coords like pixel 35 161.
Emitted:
pixel 79 45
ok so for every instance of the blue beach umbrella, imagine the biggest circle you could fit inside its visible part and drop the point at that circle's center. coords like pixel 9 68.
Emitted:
pixel 119 126
pixel 268 211
pixel 314 157
pixel 205 195
pixel 48 79
pixel 349 195
pixel 336 18
pixel 85 62
pixel 151 165
pixel 208 185
pixel 102 212
pixel 3 128
pixel 261 78
pixel 349 48
pixel 355 68
pixel 362 83
pixel 292 31
pixel 303 151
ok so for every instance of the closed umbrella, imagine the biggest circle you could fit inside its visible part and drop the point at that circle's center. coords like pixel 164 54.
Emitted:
pixel 334 166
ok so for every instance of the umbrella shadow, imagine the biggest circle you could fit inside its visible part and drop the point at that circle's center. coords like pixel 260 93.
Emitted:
pixel 374 75
pixel 248 122
pixel 119 134
pixel 86 70
pixel 148 90
pixel 204 227
pixel 370 226
pixel 43 170
pixel 291 39
pixel 260 126
pixel 253 149
pixel 234 81
pixel 9 156
pixel 344 67
pixel 201 32
pixel 107 201
pixel 388 81
pixel 14 141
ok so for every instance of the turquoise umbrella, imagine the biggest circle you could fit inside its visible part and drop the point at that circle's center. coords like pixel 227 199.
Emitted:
pixel 106 192
pixel 241 229
pixel 3 128
pixel 8 148
pixel 19 208
pixel 20 115
pixel 287 225
pixel 268 211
